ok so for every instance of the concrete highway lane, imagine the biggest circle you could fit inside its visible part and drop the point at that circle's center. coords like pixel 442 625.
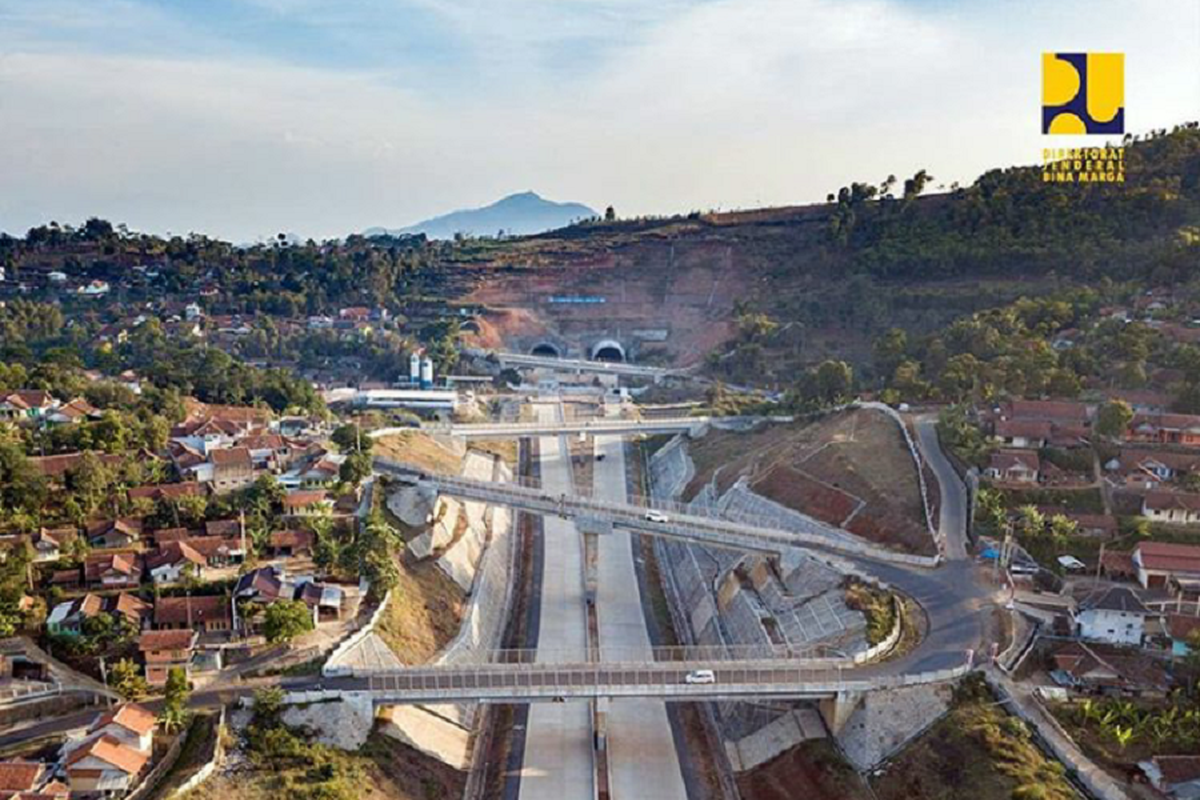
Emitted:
pixel 643 761
pixel 558 740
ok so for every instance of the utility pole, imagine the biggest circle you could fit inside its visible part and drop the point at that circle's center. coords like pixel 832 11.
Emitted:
pixel 104 678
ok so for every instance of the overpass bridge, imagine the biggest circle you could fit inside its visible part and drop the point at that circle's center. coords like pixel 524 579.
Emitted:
pixel 514 430
pixel 519 683
pixel 580 365
pixel 717 530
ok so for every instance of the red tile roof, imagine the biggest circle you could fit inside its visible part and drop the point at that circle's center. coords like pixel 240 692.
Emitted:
pixel 1181 626
pixel 56 466
pixel 1054 410
pixel 112 751
pixel 130 716
pixel 167 491
pixel 1178 769
pixel 19 776
pixel 166 640
pixel 1169 557
pixel 174 610
pixel 231 457
pixel 304 498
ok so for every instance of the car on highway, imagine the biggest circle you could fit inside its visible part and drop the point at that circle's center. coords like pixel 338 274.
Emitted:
pixel 700 677
pixel 657 516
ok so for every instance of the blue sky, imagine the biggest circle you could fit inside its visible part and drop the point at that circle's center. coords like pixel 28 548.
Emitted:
pixel 241 118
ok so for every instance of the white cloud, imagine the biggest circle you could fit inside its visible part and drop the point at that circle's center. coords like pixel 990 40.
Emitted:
pixel 686 105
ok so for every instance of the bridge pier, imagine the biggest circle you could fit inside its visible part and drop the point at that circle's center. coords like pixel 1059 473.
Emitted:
pixel 591 528
pixel 836 710
pixel 591 566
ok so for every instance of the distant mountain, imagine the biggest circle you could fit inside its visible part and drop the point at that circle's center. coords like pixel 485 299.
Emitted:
pixel 517 214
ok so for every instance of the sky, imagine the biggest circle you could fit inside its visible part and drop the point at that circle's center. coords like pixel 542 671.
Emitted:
pixel 244 118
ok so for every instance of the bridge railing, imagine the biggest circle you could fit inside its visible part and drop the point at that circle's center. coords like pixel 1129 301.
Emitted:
pixel 812 655
pixel 739 531
pixel 517 681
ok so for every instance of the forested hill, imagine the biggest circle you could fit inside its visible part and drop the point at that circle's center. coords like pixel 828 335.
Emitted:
pixel 1012 220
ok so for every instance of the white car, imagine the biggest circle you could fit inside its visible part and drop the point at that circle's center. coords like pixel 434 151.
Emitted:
pixel 657 516
pixel 700 676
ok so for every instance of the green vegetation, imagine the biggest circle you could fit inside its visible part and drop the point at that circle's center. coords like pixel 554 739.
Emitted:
pixel 299 767
pixel 1012 218
pixel 284 620
pixel 1122 732
pixel 125 677
pixel 976 751
pixel 877 605
pixel 174 715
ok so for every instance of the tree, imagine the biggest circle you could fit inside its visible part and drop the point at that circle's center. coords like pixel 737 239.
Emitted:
pixel 835 381
pixel 610 214
pixel 916 184
pixel 284 620
pixel 1113 418
pixel 355 468
pixel 127 681
pixel 174 714
pixel 349 439
pixel 375 547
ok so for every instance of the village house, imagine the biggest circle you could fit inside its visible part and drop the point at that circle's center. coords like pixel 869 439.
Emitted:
pixel 19 779
pixel 167 491
pixel 232 469
pixel 66 618
pixel 1150 469
pixel 112 570
pixel 1180 629
pixel 288 543
pixel 1157 563
pixel 1014 466
pixel 306 501
pixel 1020 433
pixel 172 561
pixel 114 533
pixel 1115 617
pixel 49 543
pixel 204 614
pixel 1177 508
pixel 227 528
pixel 78 410
pixel 55 468
pixel 1095 669
pixel 27 404
pixel 106 762
pixel 1164 428
pixel 1177 777
pixel 269 584
pixel 164 650
pixel 1058 411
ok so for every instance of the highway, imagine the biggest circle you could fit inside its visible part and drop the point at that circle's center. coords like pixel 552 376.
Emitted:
pixel 558 737
pixel 643 762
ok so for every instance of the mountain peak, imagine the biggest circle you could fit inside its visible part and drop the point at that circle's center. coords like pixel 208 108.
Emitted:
pixel 520 214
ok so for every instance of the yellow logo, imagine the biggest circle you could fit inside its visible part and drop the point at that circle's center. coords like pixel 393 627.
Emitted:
pixel 1083 93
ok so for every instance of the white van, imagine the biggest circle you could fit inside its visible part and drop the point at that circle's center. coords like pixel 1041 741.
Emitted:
pixel 700 676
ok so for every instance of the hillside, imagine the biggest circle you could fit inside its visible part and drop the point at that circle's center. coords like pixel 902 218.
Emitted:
pixel 752 295
pixel 516 215
pixel 833 277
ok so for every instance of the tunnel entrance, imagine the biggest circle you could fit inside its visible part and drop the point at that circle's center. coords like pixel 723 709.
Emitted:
pixel 545 350
pixel 608 350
